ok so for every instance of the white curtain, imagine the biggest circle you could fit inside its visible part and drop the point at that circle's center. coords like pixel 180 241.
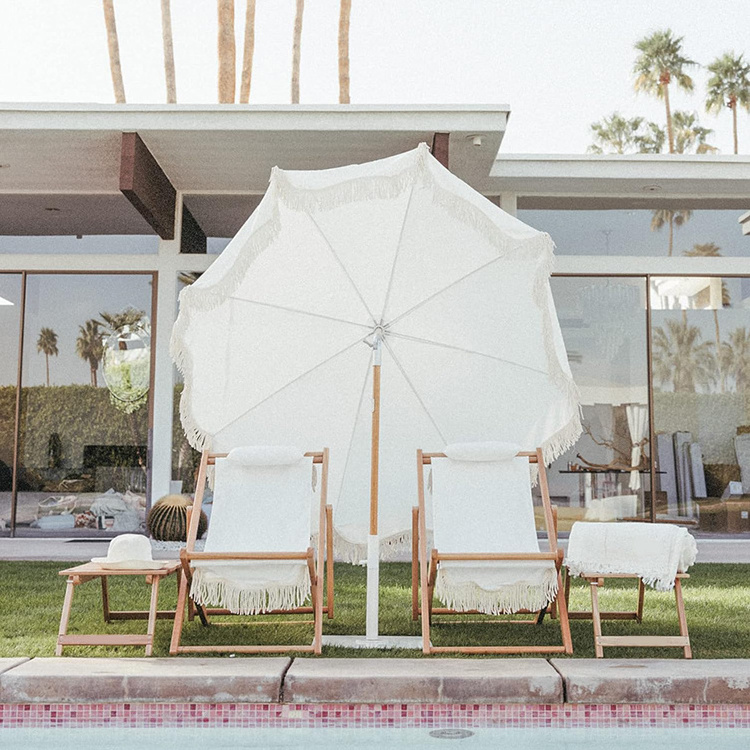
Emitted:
pixel 637 420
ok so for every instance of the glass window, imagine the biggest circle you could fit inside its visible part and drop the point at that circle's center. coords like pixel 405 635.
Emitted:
pixel 104 244
pixel 606 475
pixel 83 452
pixel 658 232
pixel 700 330
pixel 10 316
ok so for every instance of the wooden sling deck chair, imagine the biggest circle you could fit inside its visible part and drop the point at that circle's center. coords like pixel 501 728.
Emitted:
pixel 189 557
pixel 426 572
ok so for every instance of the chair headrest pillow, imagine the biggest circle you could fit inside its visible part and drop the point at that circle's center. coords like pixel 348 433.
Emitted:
pixel 491 451
pixel 265 455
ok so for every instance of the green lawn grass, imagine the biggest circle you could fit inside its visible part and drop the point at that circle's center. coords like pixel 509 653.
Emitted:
pixel 717 600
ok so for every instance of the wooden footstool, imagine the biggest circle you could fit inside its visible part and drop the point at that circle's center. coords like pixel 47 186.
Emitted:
pixel 88 572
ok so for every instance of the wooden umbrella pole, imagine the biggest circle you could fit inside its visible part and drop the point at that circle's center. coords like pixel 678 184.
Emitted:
pixel 375 448
pixel 373 542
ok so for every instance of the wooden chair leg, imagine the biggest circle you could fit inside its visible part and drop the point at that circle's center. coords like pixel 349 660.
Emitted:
pixel 596 619
pixel 329 560
pixel 562 611
pixel 153 609
pixel 67 604
pixel 179 615
pixel 105 599
pixel 687 650
pixel 415 563
pixel 641 594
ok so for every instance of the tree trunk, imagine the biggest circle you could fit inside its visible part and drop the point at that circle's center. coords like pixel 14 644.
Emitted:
pixel 46 357
pixel 94 380
pixel 114 51
pixel 226 48
pixel 733 107
pixel 345 12
pixel 670 130
pixel 247 54
pixel 167 44
pixel 297 50
pixel 671 234
pixel 718 351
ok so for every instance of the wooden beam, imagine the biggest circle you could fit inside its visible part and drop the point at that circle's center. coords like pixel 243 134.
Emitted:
pixel 193 238
pixel 440 148
pixel 146 186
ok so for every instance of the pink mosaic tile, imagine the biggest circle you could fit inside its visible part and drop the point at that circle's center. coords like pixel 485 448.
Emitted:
pixel 246 715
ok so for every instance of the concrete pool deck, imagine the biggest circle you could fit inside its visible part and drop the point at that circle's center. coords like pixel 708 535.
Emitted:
pixel 283 680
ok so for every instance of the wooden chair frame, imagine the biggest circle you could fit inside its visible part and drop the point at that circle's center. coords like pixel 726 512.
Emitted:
pixel 596 581
pixel 315 567
pixel 428 571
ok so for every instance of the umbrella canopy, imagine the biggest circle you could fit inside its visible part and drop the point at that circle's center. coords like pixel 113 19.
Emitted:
pixel 275 340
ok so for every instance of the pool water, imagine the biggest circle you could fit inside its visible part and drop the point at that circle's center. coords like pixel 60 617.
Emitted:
pixel 497 739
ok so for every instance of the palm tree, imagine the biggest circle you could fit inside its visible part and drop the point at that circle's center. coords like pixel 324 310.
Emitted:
pixel 247 52
pixel 168 46
pixel 297 50
pixel 615 134
pixel 729 85
pixel 47 344
pixel 114 51
pixel 226 51
pixel 345 14
pixel 652 141
pixel 660 62
pixel 681 359
pixel 735 357
pixel 89 347
pixel 114 323
pixel 671 218
pixel 689 135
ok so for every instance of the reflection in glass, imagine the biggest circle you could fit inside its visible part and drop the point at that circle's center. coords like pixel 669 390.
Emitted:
pixel 700 329
pixel 10 314
pixel 660 232
pixel 605 476
pixel 84 403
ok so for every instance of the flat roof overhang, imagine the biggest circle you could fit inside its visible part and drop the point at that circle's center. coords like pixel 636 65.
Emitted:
pixel 48 151
pixel 555 181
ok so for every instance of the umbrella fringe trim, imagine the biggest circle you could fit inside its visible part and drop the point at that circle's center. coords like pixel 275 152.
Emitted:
pixel 468 596
pixel 392 548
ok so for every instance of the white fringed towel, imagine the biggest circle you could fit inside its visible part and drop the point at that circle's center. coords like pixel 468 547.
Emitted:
pixel 485 505
pixel 653 551
pixel 257 507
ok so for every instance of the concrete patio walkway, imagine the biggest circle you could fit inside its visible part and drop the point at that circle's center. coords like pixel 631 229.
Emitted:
pixel 384 681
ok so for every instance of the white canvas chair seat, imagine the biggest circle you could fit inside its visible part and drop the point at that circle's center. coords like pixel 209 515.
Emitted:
pixel 485 556
pixel 258 556
pixel 257 506
pixel 486 506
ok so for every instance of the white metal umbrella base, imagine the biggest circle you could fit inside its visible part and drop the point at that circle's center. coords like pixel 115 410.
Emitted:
pixel 382 641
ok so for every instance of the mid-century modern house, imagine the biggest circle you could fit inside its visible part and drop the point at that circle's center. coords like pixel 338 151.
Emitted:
pixel 107 212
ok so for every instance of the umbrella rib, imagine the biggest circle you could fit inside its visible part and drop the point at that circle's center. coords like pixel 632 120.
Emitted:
pixel 301 312
pixel 343 268
pixel 395 257
pixel 445 289
pixel 414 391
pixel 292 382
pixel 430 342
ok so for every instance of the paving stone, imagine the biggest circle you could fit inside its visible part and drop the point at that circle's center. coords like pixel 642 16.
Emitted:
pixel 422 681
pixel 81 680
pixel 9 663
pixel 655 680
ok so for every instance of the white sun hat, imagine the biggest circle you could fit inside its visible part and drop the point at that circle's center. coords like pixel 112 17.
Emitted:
pixel 129 551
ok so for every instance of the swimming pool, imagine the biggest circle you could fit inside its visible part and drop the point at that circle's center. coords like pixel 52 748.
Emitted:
pixel 517 739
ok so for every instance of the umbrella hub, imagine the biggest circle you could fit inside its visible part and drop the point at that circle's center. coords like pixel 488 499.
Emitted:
pixel 375 341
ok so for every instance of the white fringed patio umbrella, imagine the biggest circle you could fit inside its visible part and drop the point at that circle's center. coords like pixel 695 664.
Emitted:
pixel 376 309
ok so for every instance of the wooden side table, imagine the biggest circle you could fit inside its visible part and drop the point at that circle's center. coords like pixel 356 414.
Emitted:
pixel 90 571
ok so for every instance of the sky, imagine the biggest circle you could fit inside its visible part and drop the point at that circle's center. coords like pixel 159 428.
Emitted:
pixel 559 64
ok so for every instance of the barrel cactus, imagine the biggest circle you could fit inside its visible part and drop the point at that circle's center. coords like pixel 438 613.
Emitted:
pixel 167 519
